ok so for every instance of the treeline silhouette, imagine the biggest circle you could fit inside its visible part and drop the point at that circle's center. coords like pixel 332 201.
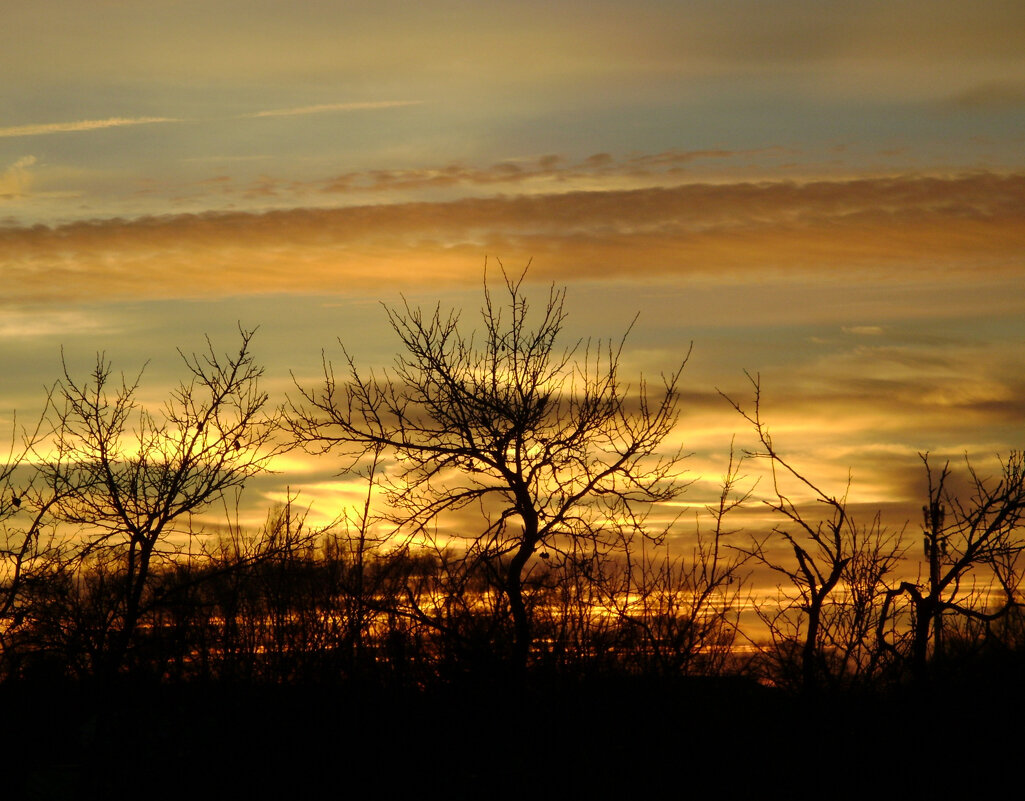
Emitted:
pixel 504 565
pixel 287 606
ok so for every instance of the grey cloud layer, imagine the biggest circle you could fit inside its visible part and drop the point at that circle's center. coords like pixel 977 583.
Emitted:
pixel 168 40
pixel 545 169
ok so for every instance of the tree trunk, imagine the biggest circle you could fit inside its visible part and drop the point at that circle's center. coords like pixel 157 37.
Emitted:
pixel 521 621
pixel 138 575
pixel 809 673
pixel 920 645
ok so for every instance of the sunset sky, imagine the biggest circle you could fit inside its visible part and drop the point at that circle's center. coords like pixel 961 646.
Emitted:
pixel 831 195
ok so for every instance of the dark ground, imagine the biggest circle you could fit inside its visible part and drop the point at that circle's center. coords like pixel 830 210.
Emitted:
pixel 610 737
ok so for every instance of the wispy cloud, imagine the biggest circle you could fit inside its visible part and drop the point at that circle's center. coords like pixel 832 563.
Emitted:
pixel 227 158
pixel 117 122
pixel 318 109
pixel 863 330
pixel 924 393
pixel 80 125
pixel 15 180
pixel 17 324
pixel 544 170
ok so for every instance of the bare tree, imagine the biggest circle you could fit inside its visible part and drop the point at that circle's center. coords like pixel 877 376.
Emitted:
pixel 973 548
pixel 128 478
pixel 681 614
pixel 838 572
pixel 547 443
pixel 31 549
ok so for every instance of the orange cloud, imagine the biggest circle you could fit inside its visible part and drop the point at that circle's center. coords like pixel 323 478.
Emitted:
pixel 966 229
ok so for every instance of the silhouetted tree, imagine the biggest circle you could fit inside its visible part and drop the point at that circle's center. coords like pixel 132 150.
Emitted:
pixel 128 477
pixel 547 442
pixel 32 551
pixel 680 615
pixel 973 547
pixel 839 571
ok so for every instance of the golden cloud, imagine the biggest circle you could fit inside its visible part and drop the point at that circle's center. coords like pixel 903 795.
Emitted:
pixel 964 228
pixel 16 179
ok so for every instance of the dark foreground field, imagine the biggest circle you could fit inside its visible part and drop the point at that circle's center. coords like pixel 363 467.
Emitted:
pixel 554 738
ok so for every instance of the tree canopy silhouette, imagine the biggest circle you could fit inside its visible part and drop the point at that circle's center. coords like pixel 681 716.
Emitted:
pixel 560 455
pixel 125 478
